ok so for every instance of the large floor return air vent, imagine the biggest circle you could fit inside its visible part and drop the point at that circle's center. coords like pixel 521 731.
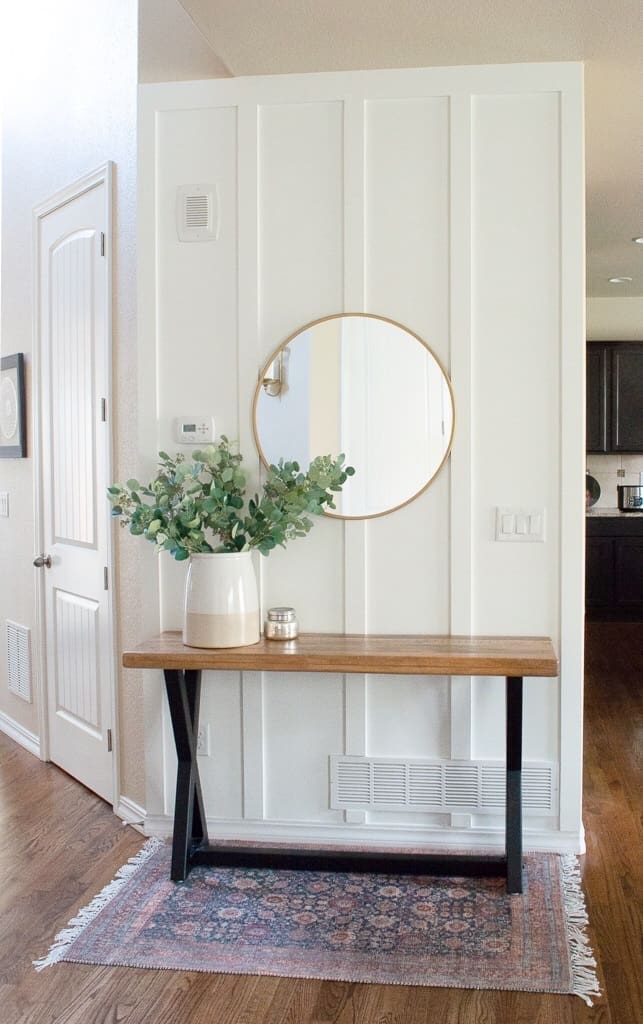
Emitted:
pixel 473 787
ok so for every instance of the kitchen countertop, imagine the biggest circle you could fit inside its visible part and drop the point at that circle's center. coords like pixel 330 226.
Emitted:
pixel 613 513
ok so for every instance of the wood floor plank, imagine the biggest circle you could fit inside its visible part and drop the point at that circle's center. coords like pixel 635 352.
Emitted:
pixel 59 845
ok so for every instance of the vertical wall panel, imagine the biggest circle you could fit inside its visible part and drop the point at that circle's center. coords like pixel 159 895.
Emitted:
pixel 407 214
pixel 516 455
pixel 198 374
pixel 221 771
pixel 197 288
pixel 407 269
pixel 302 725
pixel 301 274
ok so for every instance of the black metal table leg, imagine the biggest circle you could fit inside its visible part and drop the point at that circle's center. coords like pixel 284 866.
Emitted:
pixel 513 809
pixel 183 693
pixel 190 844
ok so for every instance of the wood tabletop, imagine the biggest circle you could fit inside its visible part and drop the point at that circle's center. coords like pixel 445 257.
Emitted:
pixel 338 652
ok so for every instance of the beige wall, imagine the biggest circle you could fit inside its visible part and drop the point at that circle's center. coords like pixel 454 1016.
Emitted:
pixel 70 106
pixel 171 48
pixel 615 319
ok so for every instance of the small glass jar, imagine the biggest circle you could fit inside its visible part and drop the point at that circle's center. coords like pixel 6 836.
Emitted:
pixel 281 624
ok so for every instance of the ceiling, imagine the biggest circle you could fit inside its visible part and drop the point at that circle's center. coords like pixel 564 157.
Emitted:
pixel 255 37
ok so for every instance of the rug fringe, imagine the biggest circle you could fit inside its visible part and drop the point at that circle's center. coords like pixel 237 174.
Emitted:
pixel 584 979
pixel 86 915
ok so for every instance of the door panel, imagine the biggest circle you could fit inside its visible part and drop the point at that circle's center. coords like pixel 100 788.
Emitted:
pixel 76 657
pixel 73 412
pixel 75 357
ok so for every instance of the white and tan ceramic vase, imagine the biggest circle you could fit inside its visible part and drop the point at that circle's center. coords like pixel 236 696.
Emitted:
pixel 221 601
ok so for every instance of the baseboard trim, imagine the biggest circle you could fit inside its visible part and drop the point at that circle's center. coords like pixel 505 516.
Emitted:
pixel 131 814
pixel 306 832
pixel 17 732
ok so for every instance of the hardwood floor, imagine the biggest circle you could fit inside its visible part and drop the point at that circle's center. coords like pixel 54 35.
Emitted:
pixel 59 845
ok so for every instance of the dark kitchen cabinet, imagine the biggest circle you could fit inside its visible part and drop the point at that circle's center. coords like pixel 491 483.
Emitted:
pixel 615 396
pixel 614 567
pixel 599 572
pixel 597 392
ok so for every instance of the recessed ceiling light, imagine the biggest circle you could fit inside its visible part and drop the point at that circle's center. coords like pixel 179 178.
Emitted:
pixel 638 240
pixel 619 280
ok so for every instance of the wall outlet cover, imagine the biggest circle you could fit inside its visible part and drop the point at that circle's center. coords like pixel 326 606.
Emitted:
pixel 203 740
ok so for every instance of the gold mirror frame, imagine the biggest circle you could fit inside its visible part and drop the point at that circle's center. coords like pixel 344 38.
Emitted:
pixel 267 380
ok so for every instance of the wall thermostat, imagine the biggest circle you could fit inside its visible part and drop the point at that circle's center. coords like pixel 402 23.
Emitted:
pixel 194 429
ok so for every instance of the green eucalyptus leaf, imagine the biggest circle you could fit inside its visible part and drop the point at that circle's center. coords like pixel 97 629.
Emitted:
pixel 198 504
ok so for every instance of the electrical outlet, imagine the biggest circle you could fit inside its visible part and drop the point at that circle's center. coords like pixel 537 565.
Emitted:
pixel 203 740
pixel 4 503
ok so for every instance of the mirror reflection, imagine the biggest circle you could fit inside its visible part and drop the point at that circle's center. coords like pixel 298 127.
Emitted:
pixel 368 387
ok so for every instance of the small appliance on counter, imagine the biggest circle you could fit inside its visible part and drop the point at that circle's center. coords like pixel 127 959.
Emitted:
pixel 630 497
pixel 592 490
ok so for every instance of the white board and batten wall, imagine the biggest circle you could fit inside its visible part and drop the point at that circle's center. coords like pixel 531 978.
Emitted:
pixel 450 200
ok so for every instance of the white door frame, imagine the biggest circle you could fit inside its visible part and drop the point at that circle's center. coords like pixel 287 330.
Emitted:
pixel 102 175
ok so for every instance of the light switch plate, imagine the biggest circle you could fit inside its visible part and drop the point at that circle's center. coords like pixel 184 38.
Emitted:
pixel 520 525
pixel 4 504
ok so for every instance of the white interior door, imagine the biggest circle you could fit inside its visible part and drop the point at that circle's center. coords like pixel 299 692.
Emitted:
pixel 75 354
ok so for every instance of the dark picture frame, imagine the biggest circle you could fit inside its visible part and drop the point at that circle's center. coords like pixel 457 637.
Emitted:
pixel 13 411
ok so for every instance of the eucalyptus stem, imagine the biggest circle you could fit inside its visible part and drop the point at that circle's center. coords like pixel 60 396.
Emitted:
pixel 198 506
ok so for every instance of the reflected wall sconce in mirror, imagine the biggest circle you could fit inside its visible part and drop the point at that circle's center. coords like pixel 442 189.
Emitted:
pixel 365 386
pixel 275 379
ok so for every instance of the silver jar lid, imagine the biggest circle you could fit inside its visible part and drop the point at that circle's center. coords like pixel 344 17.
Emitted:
pixel 281 615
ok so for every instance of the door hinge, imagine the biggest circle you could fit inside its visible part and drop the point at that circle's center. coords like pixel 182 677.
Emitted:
pixel 105 578
pixel 109 741
pixel 103 410
pixel 102 243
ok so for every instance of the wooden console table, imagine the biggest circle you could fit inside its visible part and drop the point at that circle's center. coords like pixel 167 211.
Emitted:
pixel 512 657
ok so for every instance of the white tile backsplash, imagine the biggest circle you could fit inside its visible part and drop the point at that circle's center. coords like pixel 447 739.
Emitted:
pixel 603 463
pixel 604 469
pixel 632 464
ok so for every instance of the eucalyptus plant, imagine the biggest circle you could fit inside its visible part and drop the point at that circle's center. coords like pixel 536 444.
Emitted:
pixel 199 506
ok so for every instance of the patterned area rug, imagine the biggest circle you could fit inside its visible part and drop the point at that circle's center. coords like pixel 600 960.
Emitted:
pixel 456 932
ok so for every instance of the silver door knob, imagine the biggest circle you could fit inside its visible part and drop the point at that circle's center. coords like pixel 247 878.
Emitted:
pixel 42 560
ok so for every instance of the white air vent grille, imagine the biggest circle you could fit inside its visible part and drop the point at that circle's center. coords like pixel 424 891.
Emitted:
pixel 197 213
pixel 19 660
pixel 474 787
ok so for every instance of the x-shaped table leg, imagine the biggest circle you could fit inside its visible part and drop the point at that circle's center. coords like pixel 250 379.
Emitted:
pixel 183 693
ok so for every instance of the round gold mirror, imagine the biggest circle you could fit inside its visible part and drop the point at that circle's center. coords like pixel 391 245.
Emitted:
pixel 366 386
